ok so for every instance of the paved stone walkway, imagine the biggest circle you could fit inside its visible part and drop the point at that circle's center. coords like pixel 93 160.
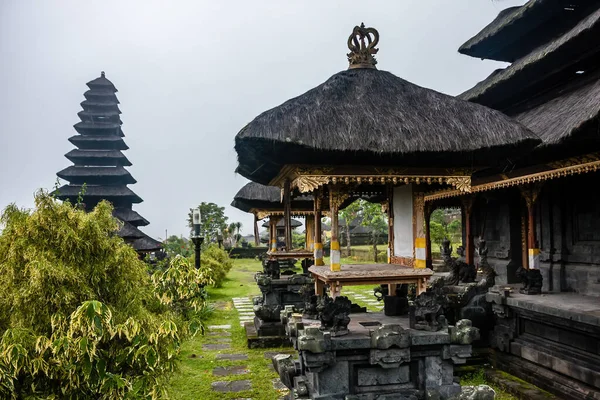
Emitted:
pixel 222 341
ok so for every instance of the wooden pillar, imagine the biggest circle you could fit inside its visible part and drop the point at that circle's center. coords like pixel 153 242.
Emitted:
pixel 428 257
pixel 335 200
pixel 309 233
pixel 272 233
pixel 390 214
pixel 256 234
pixel 530 194
pixel 318 202
pixel 469 246
pixel 287 214
pixel 419 229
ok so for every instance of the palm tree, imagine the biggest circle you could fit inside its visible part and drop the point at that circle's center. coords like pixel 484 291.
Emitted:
pixel 238 227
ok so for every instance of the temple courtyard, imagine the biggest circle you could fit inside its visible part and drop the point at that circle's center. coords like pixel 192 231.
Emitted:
pixel 219 364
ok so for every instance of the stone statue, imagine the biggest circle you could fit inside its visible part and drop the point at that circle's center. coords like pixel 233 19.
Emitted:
pixel 272 268
pixel 427 311
pixel 466 273
pixel 446 251
pixel 334 314
pixel 532 280
pixel 489 275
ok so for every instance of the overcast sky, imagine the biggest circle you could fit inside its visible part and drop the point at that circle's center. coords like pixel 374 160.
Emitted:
pixel 191 74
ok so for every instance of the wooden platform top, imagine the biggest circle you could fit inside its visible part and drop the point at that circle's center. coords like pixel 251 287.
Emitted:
pixel 366 271
pixel 291 254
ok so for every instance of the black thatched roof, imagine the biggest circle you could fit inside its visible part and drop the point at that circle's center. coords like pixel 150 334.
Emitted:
pixel 261 197
pixel 97 157
pixel 96 175
pixel 537 66
pixel 99 163
pixel 115 194
pixel 281 223
pixel 128 215
pixel 563 112
pixel 129 231
pixel 97 142
pixel 367 116
pixel 518 30
pixel 146 244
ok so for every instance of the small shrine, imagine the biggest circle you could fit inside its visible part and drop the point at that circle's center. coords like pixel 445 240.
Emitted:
pixel 366 133
pixel 98 171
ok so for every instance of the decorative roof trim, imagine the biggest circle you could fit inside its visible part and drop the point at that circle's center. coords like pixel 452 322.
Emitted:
pixel 562 168
pixel 307 179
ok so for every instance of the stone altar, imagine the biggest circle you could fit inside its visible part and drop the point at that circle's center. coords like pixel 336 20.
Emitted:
pixel 380 357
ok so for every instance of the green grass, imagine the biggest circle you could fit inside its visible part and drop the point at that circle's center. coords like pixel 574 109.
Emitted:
pixel 194 378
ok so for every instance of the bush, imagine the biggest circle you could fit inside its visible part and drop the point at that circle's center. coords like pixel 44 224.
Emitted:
pixel 78 313
pixel 214 265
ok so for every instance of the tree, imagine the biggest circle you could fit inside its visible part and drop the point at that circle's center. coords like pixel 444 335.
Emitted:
pixel 349 214
pixel 213 221
pixel 445 223
pixel 374 217
pixel 79 317
pixel 175 245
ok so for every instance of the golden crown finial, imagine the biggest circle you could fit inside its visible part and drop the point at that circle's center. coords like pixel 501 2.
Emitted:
pixel 361 52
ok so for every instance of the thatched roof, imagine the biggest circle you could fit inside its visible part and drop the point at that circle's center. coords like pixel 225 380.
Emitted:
pixel 261 197
pixel 97 142
pixel 129 231
pixel 146 244
pixel 367 116
pixel 535 68
pixel 97 157
pixel 281 223
pixel 564 111
pixel 128 215
pixel 102 83
pixel 108 192
pixel 96 175
pixel 518 30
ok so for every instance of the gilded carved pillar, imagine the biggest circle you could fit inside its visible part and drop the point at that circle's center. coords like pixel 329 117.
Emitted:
pixel 390 213
pixel 428 258
pixel 469 246
pixel 530 193
pixel 335 201
pixel 310 233
pixel 420 252
pixel 318 202
pixel 287 214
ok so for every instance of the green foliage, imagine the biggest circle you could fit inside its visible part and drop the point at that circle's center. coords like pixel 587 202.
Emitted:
pixel 214 265
pixel 175 245
pixel 78 315
pixel 180 286
pixel 298 240
pixel 445 225
pixel 213 221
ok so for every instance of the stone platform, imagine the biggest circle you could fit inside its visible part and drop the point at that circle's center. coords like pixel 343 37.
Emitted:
pixel 551 340
pixel 379 356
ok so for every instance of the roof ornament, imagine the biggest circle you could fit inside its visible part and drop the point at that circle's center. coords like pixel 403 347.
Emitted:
pixel 361 53
pixel 102 74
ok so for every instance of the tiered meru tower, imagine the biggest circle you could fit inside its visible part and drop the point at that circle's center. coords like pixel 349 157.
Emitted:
pixel 99 170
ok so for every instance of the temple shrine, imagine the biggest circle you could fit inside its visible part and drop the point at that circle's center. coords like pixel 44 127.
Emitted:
pixel 366 133
pixel 98 171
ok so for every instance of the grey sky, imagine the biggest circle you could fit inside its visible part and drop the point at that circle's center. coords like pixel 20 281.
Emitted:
pixel 191 74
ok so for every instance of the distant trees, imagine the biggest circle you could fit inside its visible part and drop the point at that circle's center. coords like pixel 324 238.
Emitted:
pixel 175 245
pixel 445 224
pixel 213 221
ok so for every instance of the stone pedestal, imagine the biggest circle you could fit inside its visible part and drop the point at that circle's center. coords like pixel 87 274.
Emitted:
pixel 380 357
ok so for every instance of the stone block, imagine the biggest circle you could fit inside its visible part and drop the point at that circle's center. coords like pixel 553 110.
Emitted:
pixel 230 370
pixel 433 373
pixel 374 376
pixel 232 357
pixel 231 386
pixel 390 358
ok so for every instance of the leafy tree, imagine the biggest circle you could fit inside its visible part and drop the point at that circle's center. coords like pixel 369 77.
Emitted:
pixel 175 245
pixel 349 214
pixel 79 317
pixel 298 239
pixel 374 217
pixel 213 221
pixel 444 225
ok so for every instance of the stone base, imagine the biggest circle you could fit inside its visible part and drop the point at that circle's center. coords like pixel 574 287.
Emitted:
pixel 256 341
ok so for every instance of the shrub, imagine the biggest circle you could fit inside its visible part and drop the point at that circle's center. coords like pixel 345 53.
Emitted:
pixel 214 265
pixel 78 314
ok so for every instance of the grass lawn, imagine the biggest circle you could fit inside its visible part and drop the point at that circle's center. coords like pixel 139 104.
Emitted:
pixel 193 381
